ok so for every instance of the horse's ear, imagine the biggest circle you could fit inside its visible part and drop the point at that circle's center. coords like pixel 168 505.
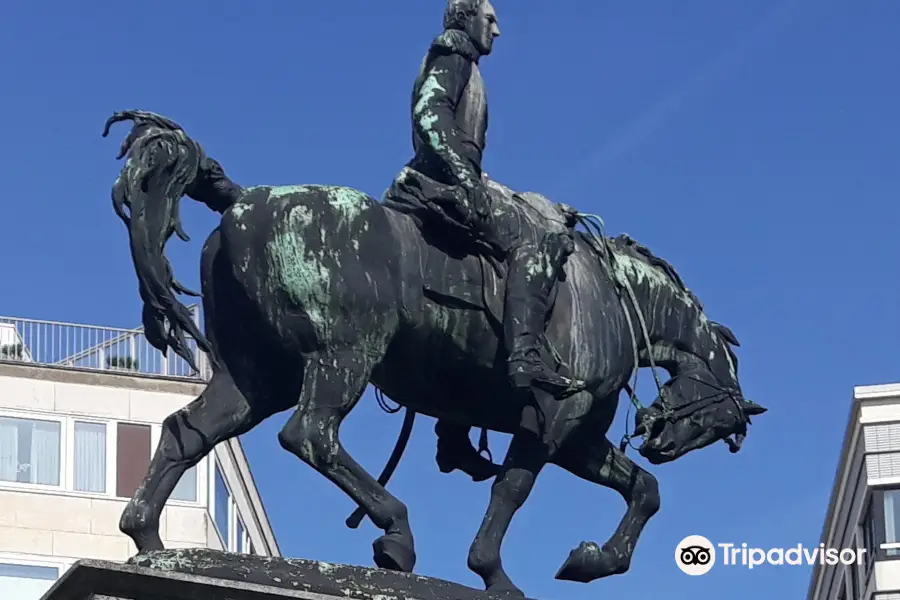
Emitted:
pixel 726 333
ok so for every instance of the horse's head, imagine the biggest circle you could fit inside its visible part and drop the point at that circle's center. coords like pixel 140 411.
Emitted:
pixel 701 404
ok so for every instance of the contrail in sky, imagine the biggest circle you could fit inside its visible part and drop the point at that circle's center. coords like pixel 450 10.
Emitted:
pixel 705 78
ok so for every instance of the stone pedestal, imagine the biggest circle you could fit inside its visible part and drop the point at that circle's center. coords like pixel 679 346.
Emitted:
pixel 211 575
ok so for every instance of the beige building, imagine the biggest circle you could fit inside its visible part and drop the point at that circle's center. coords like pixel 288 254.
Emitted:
pixel 80 415
pixel 864 510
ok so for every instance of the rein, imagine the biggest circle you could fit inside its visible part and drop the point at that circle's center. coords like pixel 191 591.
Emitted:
pixel 600 242
pixel 594 226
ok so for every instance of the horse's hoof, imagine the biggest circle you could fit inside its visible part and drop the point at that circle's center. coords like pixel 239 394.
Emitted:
pixel 588 562
pixel 394 553
pixel 145 540
pixel 143 533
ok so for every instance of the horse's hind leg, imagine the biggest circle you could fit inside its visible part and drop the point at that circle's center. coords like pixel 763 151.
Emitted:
pixel 602 463
pixel 219 413
pixel 332 385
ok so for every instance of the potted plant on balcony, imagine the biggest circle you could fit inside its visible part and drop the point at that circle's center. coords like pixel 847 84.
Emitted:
pixel 12 351
pixel 122 363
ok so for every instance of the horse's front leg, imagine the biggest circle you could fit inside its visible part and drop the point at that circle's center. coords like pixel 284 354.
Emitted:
pixel 455 451
pixel 527 455
pixel 602 463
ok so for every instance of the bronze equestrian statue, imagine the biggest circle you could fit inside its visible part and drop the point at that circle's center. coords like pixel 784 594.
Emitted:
pixel 311 292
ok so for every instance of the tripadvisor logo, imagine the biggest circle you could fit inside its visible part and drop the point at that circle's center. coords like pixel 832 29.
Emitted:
pixel 696 555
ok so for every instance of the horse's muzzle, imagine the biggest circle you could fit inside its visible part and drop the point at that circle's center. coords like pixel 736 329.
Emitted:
pixel 667 440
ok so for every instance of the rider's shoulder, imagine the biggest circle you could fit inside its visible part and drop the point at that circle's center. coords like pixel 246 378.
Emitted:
pixel 454 42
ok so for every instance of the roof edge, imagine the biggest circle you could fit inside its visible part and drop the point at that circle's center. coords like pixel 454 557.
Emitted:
pixel 838 481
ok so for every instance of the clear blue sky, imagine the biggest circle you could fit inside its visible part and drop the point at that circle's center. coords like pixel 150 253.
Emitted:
pixel 754 144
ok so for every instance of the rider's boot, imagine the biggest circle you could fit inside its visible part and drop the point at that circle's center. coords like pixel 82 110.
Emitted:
pixel 455 451
pixel 533 273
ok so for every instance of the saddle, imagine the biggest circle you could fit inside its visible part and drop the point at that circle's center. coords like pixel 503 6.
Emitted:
pixel 470 274
pixel 461 271
pixel 473 281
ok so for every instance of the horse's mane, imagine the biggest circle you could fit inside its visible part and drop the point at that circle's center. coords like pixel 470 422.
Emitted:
pixel 624 244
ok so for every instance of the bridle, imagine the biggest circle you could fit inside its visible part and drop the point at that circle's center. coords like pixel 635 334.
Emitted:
pixel 598 240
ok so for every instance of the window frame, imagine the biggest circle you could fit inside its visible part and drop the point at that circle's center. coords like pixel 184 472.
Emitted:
pixel 230 508
pixel 867 538
pixel 242 545
pixel 30 560
pixel 115 466
pixel 66 485
pixel 232 544
pixel 64 473
pixel 877 516
pixel 111 441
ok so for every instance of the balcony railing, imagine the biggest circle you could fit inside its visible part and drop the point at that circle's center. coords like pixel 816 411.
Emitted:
pixel 91 348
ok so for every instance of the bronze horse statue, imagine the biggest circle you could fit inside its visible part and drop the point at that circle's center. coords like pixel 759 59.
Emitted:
pixel 312 292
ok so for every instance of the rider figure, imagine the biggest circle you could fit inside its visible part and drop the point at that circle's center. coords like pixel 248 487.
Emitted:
pixel 449 115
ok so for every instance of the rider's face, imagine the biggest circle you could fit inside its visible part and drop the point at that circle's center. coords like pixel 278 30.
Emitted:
pixel 483 28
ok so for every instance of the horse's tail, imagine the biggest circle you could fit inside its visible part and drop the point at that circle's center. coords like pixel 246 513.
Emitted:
pixel 163 164
pixel 409 418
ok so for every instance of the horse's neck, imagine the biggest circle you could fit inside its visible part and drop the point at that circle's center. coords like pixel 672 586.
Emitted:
pixel 672 319
pixel 647 295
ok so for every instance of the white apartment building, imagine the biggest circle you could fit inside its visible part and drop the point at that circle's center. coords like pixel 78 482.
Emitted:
pixel 80 415
pixel 864 510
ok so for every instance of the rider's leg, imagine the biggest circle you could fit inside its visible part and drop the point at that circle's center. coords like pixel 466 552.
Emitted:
pixel 533 272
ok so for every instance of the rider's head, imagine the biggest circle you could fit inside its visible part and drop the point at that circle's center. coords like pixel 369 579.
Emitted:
pixel 476 18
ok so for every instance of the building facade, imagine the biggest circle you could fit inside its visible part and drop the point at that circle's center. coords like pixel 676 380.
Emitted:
pixel 864 510
pixel 80 415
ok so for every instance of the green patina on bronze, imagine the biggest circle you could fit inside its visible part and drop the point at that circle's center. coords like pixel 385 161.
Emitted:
pixel 635 270
pixel 430 88
pixel 300 271
pixel 348 202
pixel 240 208
pixel 279 191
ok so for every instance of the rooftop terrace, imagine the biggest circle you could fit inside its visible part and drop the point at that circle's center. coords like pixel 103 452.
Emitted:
pixel 92 348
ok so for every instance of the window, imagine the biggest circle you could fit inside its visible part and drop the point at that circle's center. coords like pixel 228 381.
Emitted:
pixel 30 451
pixel 241 538
pixel 891 500
pixel 221 510
pixel 133 457
pixel 90 457
pixel 186 489
pixel 84 455
pixel 868 539
pixel 26 582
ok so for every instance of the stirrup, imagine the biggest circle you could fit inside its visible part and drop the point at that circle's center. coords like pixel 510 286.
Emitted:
pixel 528 373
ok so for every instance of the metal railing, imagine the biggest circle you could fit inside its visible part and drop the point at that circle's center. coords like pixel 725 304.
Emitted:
pixel 88 347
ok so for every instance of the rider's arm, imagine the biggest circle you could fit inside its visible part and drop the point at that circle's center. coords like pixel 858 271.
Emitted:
pixel 434 115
